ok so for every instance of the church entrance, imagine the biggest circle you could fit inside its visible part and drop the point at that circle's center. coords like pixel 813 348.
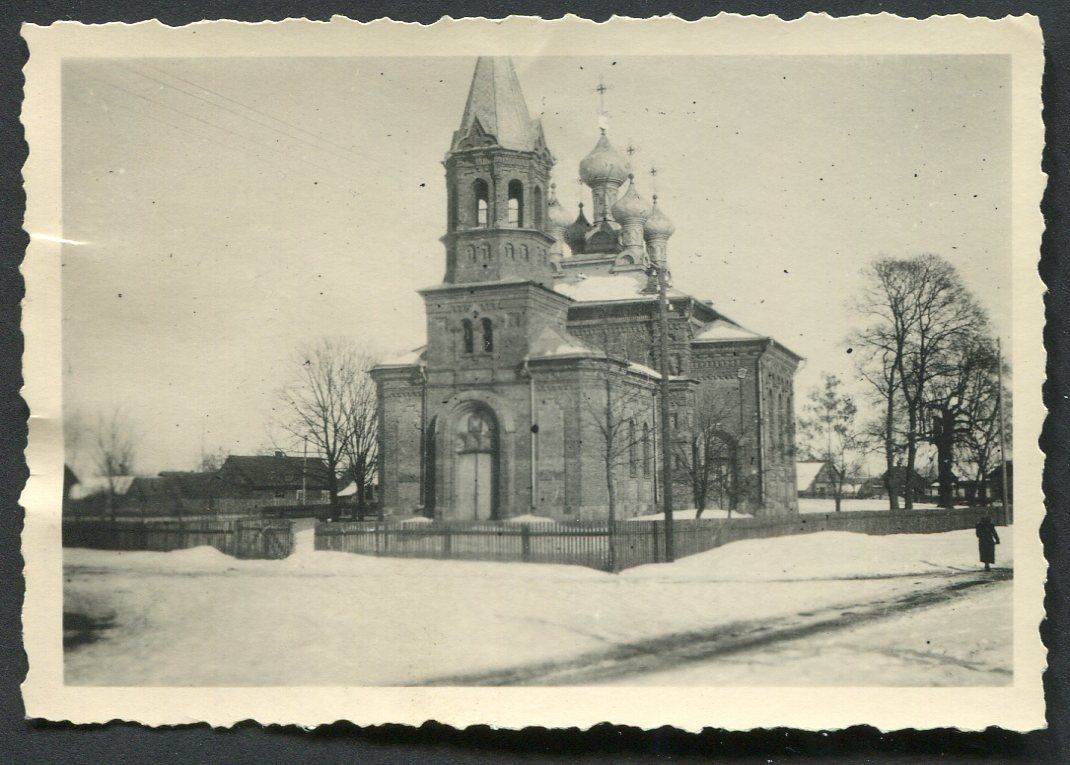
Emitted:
pixel 476 461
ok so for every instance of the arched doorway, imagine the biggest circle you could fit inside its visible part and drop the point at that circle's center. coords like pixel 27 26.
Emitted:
pixel 475 465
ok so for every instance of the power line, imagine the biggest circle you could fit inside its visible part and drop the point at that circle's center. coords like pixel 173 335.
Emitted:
pixel 205 88
pixel 214 125
pixel 236 113
pixel 349 154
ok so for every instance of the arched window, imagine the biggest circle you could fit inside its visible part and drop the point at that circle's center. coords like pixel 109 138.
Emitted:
pixel 524 251
pixel 516 204
pixel 469 335
pixel 646 449
pixel 481 195
pixel 536 207
pixel 488 335
pixel 470 252
pixel 509 252
pixel 633 450
pixel 484 250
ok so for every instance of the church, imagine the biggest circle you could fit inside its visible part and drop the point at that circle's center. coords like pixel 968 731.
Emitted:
pixel 537 391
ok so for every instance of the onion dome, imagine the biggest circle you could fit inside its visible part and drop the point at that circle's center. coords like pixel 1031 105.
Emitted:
pixel 658 225
pixel 604 165
pixel 630 207
pixel 557 215
pixel 576 233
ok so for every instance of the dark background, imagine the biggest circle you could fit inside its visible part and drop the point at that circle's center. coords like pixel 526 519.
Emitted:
pixel 28 741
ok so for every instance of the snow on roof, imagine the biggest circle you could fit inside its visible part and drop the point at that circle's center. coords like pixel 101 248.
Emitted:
pixel 645 370
pixel 725 330
pixel 406 359
pixel 805 473
pixel 554 344
pixel 101 484
pixel 599 289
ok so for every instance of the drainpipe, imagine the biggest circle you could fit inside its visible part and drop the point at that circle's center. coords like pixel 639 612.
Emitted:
pixel 533 484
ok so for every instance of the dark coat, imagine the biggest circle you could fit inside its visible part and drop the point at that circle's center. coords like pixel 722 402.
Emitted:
pixel 987 539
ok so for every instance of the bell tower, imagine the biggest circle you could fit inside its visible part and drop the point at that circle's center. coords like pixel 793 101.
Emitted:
pixel 497 181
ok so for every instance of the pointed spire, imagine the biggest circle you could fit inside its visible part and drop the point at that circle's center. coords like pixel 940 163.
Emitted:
pixel 496 112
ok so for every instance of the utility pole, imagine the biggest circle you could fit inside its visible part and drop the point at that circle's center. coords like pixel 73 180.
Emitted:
pixel 1002 434
pixel 666 432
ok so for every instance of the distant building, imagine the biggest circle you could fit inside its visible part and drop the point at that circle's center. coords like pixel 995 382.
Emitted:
pixel 994 479
pixel 819 478
pixel 276 477
pixel 876 488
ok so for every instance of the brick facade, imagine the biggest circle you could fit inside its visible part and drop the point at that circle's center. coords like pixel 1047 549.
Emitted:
pixel 504 412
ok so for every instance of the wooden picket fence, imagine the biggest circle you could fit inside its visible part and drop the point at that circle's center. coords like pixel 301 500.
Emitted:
pixel 618 545
pixel 247 538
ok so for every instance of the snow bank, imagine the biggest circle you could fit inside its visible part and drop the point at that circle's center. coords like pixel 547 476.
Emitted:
pixel 829 555
pixel 688 515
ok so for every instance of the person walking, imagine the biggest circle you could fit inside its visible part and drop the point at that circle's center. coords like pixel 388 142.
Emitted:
pixel 987 539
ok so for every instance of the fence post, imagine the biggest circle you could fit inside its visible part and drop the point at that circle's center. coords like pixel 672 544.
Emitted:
pixel 657 549
pixel 447 543
pixel 525 542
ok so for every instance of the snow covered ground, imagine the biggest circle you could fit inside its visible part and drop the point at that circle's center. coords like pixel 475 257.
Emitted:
pixel 197 617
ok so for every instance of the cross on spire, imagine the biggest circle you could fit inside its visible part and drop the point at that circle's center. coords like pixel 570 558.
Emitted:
pixel 631 148
pixel 601 91
pixel 654 179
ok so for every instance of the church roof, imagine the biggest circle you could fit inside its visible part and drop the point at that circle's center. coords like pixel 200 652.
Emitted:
pixel 598 289
pixel 496 107
pixel 555 344
pixel 725 330
pixel 408 359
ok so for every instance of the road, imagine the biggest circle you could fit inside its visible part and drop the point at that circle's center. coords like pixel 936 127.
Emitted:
pixel 748 651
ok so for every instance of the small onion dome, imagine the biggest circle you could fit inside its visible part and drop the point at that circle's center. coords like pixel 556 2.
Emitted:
pixel 630 207
pixel 576 233
pixel 556 214
pixel 658 225
pixel 604 164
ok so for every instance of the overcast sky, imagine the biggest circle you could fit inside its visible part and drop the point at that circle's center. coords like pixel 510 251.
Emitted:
pixel 230 210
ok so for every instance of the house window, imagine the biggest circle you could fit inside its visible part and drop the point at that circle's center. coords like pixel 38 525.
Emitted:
pixel 280 494
pixel 469 335
pixel 516 204
pixel 481 194
pixel 488 335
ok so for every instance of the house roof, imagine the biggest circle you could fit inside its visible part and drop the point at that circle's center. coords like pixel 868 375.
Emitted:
pixel 193 484
pixel 277 471
pixel 806 472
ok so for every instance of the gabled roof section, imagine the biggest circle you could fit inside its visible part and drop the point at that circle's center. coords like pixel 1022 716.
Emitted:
pixel 721 329
pixel 496 109
pixel 554 344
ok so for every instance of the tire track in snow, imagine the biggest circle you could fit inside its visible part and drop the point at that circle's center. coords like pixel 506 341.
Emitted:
pixel 676 649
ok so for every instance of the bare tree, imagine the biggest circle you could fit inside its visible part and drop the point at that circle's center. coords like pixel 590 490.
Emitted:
pixel 711 459
pixel 316 406
pixel 361 446
pixel 830 432
pixel 917 309
pixel 114 450
pixel 615 414
pixel 977 423
pixel 962 395
pixel 211 462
